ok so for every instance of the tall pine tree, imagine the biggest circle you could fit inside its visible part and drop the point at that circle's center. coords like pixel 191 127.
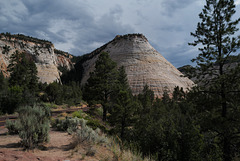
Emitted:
pixel 215 35
pixel 124 109
pixel 101 82
pixel 23 78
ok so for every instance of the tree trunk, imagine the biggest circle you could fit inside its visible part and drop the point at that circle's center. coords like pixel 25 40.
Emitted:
pixel 223 101
pixel 123 128
pixel 104 113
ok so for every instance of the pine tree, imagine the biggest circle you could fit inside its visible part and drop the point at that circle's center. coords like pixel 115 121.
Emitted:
pixel 23 72
pixel 215 34
pixel 124 109
pixel 23 79
pixel 101 82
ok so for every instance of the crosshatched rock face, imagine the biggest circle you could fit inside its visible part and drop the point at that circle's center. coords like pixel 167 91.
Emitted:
pixel 143 65
pixel 43 54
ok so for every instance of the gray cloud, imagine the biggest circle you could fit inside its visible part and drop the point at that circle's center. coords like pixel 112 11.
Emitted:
pixel 80 26
pixel 171 6
pixel 70 26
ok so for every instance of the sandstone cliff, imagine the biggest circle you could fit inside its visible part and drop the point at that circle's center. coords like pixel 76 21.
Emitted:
pixel 143 65
pixel 47 58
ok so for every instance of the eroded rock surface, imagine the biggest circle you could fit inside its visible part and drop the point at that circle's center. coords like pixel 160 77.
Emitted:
pixel 42 52
pixel 143 65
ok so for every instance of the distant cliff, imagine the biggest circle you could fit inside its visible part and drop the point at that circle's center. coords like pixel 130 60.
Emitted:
pixel 48 60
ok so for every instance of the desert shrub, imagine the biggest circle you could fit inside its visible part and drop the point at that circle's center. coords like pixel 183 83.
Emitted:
pixel 12 126
pixel 33 125
pixel 87 134
pixel 91 122
pixel 68 124
pixel 80 114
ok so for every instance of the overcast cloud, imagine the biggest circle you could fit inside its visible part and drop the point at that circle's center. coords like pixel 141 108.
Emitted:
pixel 80 26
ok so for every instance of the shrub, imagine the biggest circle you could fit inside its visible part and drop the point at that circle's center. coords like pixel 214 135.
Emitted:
pixel 93 123
pixel 33 125
pixel 68 124
pixel 87 134
pixel 80 114
pixel 12 126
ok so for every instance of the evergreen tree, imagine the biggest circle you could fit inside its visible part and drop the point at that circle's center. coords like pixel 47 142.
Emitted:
pixel 146 98
pixel 101 82
pixel 167 130
pixel 3 92
pixel 55 93
pixel 215 34
pixel 23 81
pixel 124 107
pixel 23 72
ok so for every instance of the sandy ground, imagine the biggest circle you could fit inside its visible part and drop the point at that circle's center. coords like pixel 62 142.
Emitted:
pixel 59 148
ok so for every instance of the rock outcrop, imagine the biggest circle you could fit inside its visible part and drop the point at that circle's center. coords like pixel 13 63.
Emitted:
pixel 143 65
pixel 42 52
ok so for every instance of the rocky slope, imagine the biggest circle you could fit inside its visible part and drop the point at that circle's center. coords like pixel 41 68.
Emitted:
pixel 46 57
pixel 143 65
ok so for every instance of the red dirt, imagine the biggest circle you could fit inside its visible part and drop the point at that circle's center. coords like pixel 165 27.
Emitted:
pixel 59 148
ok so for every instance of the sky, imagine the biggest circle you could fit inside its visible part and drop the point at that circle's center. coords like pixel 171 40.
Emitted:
pixel 81 26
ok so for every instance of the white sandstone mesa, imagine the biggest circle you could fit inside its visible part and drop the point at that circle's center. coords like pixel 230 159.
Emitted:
pixel 143 65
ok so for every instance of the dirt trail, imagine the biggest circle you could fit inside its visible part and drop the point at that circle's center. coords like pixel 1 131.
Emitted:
pixel 58 149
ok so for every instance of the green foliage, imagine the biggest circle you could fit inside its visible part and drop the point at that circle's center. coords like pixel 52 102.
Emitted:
pixel 22 85
pixel 68 124
pixel 59 94
pixel 80 114
pixel 217 97
pixel 101 83
pixel 26 38
pixel 166 130
pixel 91 121
pixel 80 130
pixel 33 125
pixel 87 134
pixel 123 106
pixel 96 124
pixel 11 99
pixel 122 114
pixel 12 126
pixel 23 72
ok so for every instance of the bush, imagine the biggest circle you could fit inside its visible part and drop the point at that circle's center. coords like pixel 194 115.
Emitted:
pixel 80 114
pixel 87 134
pixel 33 125
pixel 12 126
pixel 93 123
pixel 68 124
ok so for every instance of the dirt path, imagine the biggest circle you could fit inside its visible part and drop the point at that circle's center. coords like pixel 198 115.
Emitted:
pixel 58 149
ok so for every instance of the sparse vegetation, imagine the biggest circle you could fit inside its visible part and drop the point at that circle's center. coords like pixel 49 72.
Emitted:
pixel 25 38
